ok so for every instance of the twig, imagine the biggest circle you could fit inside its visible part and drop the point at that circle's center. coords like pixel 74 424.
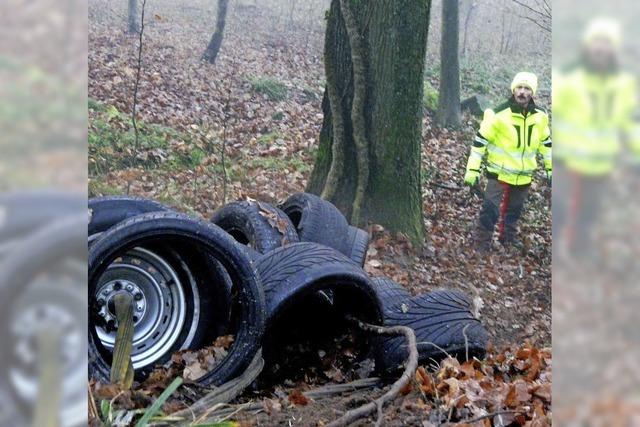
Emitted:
pixel 224 146
pixel 466 342
pixel 93 409
pixel 224 411
pixel 473 420
pixel 223 394
pixel 445 186
pixel 137 82
pixel 334 389
pixel 409 371
pixel 436 346
pixel 380 414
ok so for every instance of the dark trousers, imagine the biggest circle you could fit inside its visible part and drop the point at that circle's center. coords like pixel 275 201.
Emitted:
pixel 577 203
pixel 502 205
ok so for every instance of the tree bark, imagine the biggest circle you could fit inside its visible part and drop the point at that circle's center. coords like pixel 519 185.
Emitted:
pixel 449 98
pixel 133 27
pixel 379 110
pixel 211 53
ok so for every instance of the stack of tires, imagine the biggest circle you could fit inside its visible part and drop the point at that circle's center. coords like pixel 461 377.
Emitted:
pixel 242 272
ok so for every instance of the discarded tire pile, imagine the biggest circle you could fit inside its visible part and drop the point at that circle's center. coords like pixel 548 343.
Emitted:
pixel 240 274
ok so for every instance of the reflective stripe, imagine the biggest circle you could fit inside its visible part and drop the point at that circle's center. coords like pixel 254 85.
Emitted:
pixel 515 153
pixel 475 154
pixel 481 140
pixel 581 153
pixel 499 168
pixel 562 126
pixel 546 157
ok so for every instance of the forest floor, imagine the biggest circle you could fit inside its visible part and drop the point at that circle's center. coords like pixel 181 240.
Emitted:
pixel 248 127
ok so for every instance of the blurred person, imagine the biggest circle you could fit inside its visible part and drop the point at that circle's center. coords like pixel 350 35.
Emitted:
pixel 593 107
pixel 510 136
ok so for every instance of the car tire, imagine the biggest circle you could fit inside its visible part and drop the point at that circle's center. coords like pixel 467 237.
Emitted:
pixel 441 317
pixel 257 225
pixel 177 230
pixel 317 220
pixel 357 245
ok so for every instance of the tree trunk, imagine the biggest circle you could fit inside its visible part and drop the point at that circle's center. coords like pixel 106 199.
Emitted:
pixel 373 113
pixel 449 98
pixel 133 27
pixel 211 53
pixel 467 21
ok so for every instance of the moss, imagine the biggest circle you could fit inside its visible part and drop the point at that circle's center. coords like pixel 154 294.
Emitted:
pixel 430 97
pixel 97 188
pixel 269 138
pixel 272 88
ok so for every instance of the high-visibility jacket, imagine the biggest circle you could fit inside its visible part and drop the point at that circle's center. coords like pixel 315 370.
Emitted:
pixel 511 137
pixel 591 113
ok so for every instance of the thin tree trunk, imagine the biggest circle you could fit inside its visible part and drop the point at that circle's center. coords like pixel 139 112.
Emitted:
pixel 211 53
pixel 449 98
pixel 467 21
pixel 394 36
pixel 133 27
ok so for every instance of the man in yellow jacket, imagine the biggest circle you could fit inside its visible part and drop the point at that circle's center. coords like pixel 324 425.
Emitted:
pixel 594 105
pixel 510 136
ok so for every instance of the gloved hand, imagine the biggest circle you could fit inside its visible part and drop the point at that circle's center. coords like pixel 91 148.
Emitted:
pixel 549 180
pixel 471 178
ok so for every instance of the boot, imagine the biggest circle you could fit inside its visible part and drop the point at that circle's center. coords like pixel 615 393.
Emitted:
pixel 511 243
pixel 482 240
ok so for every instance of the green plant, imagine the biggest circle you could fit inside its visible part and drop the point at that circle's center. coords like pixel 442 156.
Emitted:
pixel 430 97
pixel 272 88
pixel 270 137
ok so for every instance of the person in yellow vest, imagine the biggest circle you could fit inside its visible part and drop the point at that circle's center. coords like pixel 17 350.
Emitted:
pixel 594 104
pixel 511 136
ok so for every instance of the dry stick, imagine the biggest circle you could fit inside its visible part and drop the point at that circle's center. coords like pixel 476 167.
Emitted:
pixel 466 343
pixel 224 146
pixel 318 393
pixel 409 371
pixel 225 393
pixel 357 109
pixel 473 420
pixel 380 414
pixel 333 389
pixel 337 120
pixel 137 82
pixel 93 409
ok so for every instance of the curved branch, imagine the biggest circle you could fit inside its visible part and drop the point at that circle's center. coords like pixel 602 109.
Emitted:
pixel 409 371
pixel 357 109
pixel 336 169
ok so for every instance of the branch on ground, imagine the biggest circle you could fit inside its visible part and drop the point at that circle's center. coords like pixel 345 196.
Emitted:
pixel 407 376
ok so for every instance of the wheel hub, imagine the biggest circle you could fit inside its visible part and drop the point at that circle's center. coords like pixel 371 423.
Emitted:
pixel 106 300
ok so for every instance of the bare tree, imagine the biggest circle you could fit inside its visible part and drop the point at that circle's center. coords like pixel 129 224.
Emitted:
pixel 472 6
pixel 538 12
pixel 133 27
pixel 211 53
pixel 448 114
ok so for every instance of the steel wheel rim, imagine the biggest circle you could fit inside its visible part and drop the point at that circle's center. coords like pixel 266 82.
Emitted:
pixel 160 306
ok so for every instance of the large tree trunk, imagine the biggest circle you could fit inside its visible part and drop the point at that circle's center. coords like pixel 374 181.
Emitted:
pixel 133 27
pixel 449 98
pixel 368 161
pixel 211 53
